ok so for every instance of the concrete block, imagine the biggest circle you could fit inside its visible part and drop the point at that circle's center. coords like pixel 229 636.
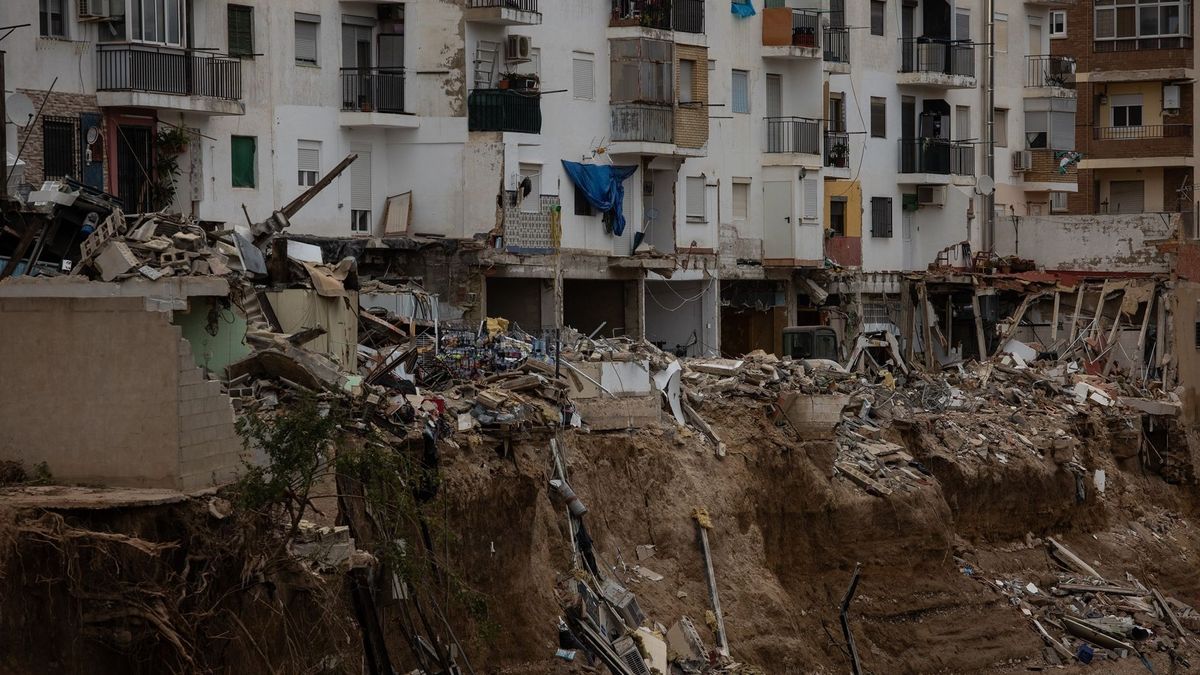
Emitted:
pixel 191 375
pixel 115 259
pixel 813 416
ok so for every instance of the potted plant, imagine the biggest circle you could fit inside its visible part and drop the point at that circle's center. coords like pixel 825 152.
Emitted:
pixel 519 81
pixel 838 153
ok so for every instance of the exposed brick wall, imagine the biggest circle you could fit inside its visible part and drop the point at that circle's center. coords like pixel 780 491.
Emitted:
pixel 1045 169
pixel 691 121
pixel 1079 44
pixel 60 105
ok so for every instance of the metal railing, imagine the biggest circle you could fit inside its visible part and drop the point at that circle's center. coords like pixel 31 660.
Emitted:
pixel 837 45
pixel 504 110
pixel 806 28
pixel 520 5
pixel 686 16
pixel 793 134
pixel 1049 71
pixel 161 70
pixel 373 89
pixel 922 55
pixel 837 149
pixel 1142 132
pixel 642 122
pixel 938 156
pixel 1140 44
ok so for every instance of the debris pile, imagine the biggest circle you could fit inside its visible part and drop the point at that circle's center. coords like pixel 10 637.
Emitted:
pixel 156 245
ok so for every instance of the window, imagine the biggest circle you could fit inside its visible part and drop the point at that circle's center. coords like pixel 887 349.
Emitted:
pixel 741 91
pixel 1126 110
pixel 687 79
pixel 642 71
pixel 837 111
pixel 52 18
pixel 60 150
pixel 695 200
pixel 243 161
pixel 1058 202
pixel 881 217
pixel 159 21
pixel 1131 19
pixel 583 76
pixel 962 123
pixel 1058 23
pixel 878 17
pixel 878 117
pixel 306 38
pixel 241 30
pixel 1001 32
pixel 962 25
pixel 741 199
pixel 811 195
pixel 531 203
pixel 308 162
pixel 1000 127
pixel 360 193
pixel 1050 123
pixel 837 216
pixel 582 206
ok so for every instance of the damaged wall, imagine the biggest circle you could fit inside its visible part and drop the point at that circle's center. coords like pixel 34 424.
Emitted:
pixel 1108 243
pixel 113 397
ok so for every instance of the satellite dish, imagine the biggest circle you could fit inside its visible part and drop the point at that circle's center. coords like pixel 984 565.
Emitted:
pixel 985 185
pixel 93 135
pixel 20 109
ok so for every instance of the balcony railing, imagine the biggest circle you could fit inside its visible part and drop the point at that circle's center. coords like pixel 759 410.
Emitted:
pixel 160 70
pixel 921 55
pixel 837 149
pixel 837 45
pixel 937 156
pixel 1049 71
pixel 373 89
pixel 504 110
pixel 686 16
pixel 1142 44
pixel 1142 132
pixel 794 134
pixel 642 122
pixel 519 5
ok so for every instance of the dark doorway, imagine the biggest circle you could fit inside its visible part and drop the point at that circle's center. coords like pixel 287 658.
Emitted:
pixel 134 167
pixel 518 300
pixel 589 304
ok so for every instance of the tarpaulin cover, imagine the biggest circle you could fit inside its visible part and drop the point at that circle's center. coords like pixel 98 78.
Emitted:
pixel 742 8
pixel 602 184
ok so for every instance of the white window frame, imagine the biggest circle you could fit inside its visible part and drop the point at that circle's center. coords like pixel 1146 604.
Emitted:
pixel 1058 202
pixel 315 22
pixel 1058 18
pixel 1138 6
pixel 744 184
pixel 588 61
pixel 137 8
pixel 692 183
pixel 63 8
pixel 733 88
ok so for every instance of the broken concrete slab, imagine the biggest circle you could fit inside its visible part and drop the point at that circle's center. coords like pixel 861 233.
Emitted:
pixel 1150 406
pixel 115 259
pixel 813 416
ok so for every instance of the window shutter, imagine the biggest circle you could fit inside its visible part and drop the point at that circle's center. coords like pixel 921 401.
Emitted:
pixel 878 117
pixel 695 198
pixel 962 26
pixel 583 80
pixel 242 160
pixel 687 74
pixel 308 156
pixel 241 30
pixel 741 201
pixel 306 41
pixel 360 183
pixel 810 198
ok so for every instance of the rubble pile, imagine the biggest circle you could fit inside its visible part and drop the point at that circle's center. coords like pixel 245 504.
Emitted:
pixel 155 245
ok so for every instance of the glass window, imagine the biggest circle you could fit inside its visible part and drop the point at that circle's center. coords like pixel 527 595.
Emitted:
pixel 878 17
pixel 687 78
pixel 1000 127
pixel 306 40
pixel 741 199
pixel 1058 23
pixel 837 217
pixel 741 91
pixel 51 18
pixel 243 161
pixel 308 162
pixel 878 117
pixel 1129 19
pixel 157 21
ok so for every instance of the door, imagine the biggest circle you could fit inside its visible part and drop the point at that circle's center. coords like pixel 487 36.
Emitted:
pixel 135 165
pixel 962 123
pixel 93 165
pixel 1126 196
pixel 774 95
pixel 906 228
pixel 778 130
pixel 778 225
pixel 391 72
pixel 357 86
pixel 623 245
pixel 908 26
pixel 837 113
pixel 1035 37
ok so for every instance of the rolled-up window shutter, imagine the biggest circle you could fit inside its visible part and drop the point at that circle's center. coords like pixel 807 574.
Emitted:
pixel 360 182
pixel 810 199
pixel 306 41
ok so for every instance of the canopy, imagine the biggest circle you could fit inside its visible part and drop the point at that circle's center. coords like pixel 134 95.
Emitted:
pixel 602 185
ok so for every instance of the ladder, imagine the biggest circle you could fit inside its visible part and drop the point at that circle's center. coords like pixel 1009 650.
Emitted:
pixel 487 52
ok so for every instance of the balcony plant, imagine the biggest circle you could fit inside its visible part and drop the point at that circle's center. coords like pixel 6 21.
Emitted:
pixel 526 82
pixel 838 154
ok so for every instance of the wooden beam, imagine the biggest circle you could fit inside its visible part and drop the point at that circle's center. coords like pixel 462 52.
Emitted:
pixel 1054 321
pixel 31 231
pixel 980 338
pixel 1078 309
pixel 927 330
pixel 305 197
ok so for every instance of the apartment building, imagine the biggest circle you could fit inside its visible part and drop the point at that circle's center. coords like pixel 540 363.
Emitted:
pixel 1135 86
pixel 908 130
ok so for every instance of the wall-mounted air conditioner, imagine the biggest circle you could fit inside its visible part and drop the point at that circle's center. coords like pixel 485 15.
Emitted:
pixel 931 195
pixel 518 48
pixel 1022 160
pixel 93 9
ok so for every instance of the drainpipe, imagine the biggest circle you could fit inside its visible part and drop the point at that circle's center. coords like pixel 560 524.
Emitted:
pixel 989 200
pixel 3 137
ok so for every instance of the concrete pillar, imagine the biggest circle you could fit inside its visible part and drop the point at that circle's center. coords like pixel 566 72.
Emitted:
pixel 789 290
pixel 635 307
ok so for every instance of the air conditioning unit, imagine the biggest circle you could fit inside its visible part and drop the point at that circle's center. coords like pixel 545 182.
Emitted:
pixel 629 654
pixel 931 195
pixel 93 9
pixel 518 48
pixel 1022 160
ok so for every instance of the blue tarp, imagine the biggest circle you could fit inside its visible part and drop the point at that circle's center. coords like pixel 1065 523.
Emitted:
pixel 742 8
pixel 602 185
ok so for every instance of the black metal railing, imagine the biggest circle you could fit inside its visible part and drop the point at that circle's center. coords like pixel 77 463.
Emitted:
pixel 1142 132
pixel 936 155
pixel 504 110
pixel 923 55
pixel 1049 71
pixel 837 45
pixel 642 122
pixel 837 149
pixel 794 134
pixel 373 89
pixel 161 70
pixel 520 5
pixel 686 16
pixel 806 28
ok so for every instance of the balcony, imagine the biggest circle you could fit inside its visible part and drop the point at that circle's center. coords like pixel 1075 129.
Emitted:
pixel 935 159
pixel 796 135
pixel 168 79
pixel 1052 3
pixel 1046 172
pixel 374 97
pixel 642 129
pixel 791 33
pixel 933 63
pixel 504 12
pixel 1142 133
pixel 1049 76
pixel 837 150
pixel 504 110
pixel 837 50
pixel 684 16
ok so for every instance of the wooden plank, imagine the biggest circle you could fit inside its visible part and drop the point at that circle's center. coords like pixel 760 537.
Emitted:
pixel 22 247
pixel 1093 588
pixel 1054 320
pixel 927 330
pixel 1166 608
pixel 1078 310
pixel 1071 560
pixel 980 338
pixel 711 575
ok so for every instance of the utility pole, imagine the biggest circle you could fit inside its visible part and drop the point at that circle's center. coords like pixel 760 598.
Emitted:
pixel 3 135
pixel 989 200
